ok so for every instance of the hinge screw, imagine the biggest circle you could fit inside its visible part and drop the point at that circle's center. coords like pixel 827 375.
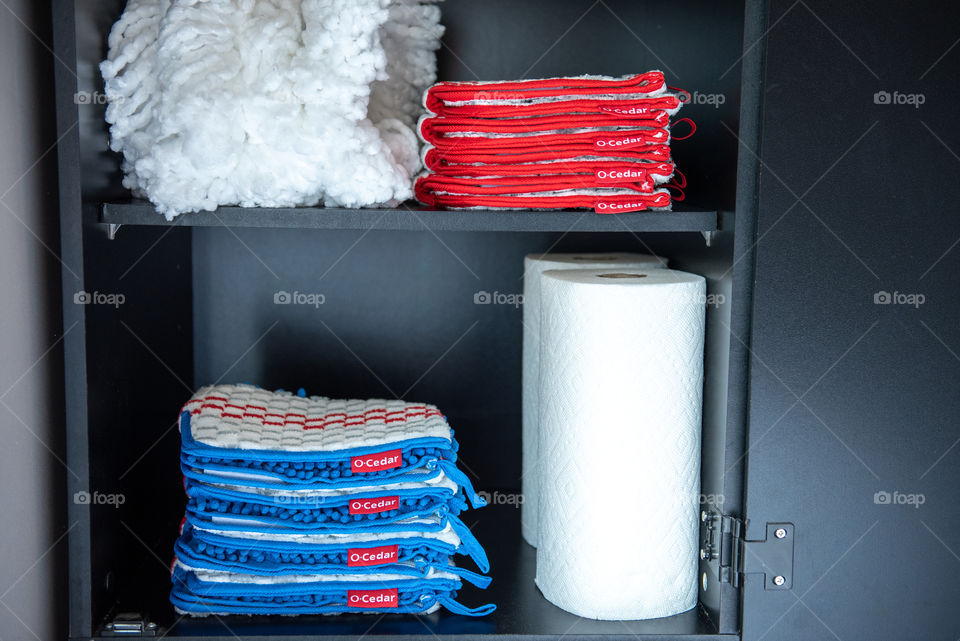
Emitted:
pixel 779 580
pixel 152 625
pixel 780 533
pixel 109 626
pixel 703 554
pixel 703 516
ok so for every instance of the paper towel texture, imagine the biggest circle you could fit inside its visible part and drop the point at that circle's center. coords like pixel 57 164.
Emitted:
pixel 620 407
pixel 533 267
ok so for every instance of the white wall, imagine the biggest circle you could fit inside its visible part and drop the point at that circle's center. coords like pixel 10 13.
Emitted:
pixel 32 572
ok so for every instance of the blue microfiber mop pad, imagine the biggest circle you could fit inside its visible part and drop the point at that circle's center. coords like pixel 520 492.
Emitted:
pixel 303 504
pixel 321 510
pixel 435 526
pixel 198 591
pixel 340 554
pixel 279 439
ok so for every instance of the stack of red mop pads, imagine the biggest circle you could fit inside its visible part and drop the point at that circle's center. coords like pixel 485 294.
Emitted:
pixel 584 142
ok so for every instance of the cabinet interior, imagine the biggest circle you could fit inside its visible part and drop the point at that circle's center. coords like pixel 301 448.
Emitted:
pixel 398 319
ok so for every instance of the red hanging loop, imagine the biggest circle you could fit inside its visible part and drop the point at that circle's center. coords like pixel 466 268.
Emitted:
pixel 684 95
pixel 693 129
pixel 679 179
pixel 680 195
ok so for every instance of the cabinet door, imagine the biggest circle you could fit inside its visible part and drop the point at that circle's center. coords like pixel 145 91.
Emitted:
pixel 853 428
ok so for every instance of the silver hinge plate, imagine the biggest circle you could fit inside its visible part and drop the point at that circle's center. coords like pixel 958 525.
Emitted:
pixel 129 624
pixel 724 542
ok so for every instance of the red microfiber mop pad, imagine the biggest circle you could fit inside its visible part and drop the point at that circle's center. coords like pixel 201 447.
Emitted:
pixel 509 185
pixel 435 127
pixel 605 169
pixel 454 162
pixel 603 201
pixel 584 94
pixel 611 105
pixel 588 141
pixel 583 139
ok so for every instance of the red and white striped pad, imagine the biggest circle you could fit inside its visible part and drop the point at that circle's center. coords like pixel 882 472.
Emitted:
pixel 248 417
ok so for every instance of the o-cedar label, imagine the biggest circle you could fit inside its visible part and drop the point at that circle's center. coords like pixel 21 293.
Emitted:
pixel 626 111
pixel 362 557
pixel 372 598
pixel 622 175
pixel 374 505
pixel 626 142
pixel 618 208
pixel 376 462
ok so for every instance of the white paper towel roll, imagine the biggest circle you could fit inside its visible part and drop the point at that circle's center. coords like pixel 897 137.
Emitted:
pixel 621 371
pixel 533 266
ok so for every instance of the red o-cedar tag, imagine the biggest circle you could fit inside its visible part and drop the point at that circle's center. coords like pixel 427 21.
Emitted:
pixel 374 505
pixel 620 142
pixel 363 557
pixel 627 110
pixel 621 175
pixel 372 598
pixel 655 136
pixel 376 462
pixel 603 207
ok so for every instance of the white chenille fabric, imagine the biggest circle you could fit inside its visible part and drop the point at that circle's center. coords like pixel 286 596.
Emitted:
pixel 271 103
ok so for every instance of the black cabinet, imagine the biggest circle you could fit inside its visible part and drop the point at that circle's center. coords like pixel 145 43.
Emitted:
pixel 854 377
pixel 798 319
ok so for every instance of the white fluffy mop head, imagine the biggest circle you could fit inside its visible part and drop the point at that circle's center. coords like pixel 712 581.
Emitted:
pixel 269 103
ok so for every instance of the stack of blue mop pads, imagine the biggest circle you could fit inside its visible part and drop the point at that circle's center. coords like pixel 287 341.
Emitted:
pixel 309 505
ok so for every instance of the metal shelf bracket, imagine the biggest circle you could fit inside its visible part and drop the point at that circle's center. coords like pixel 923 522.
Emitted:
pixel 129 624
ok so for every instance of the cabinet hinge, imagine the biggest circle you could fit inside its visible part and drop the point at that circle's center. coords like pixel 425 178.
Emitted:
pixel 724 543
pixel 129 624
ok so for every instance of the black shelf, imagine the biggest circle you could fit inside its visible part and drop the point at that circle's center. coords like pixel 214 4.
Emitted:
pixel 522 612
pixel 417 218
